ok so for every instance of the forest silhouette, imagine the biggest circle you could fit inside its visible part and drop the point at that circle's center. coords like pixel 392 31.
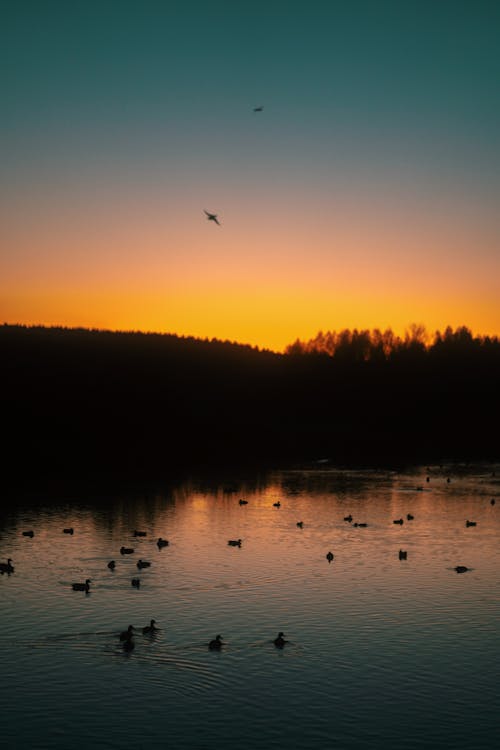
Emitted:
pixel 80 402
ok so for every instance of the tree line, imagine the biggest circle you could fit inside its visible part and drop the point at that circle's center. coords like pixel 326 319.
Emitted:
pixel 80 402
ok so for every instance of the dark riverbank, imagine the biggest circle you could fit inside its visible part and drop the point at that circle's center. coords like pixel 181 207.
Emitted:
pixel 94 404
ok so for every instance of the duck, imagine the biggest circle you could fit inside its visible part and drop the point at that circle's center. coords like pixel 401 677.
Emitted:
pixel 409 517
pixel 162 543
pixel 111 565
pixel 348 518
pixel 128 644
pixel 82 586
pixel 29 533
pixel 279 641
pixel 149 628
pixel 235 542
pixel 360 525
pixel 68 531
pixel 400 521
pixel 126 551
pixel 136 583
pixel 470 523
pixel 127 634
pixel 300 524
pixel 492 501
pixel 329 556
pixel 140 533
pixel 277 505
pixel 243 502
pixel 143 564
pixel 7 567
pixel 461 568
pixel 403 554
pixel 216 644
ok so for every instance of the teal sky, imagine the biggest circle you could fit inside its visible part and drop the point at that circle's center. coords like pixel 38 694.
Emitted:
pixel 114 110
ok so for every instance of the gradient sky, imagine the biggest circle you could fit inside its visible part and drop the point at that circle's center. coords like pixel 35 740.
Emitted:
pixel 364 195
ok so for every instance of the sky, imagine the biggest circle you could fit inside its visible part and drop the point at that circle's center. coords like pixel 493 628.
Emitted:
pixel 364 195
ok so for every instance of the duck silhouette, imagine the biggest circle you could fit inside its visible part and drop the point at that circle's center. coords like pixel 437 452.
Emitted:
pixel 300 524
pixel 461 568
pixel 162 543
pixel 470 523
pixel 29 533
pixel 216 644
pixel 140 533
pixel 329 556
pixel 400 521
pixel 81 586
pixel 148 629
pixel 403 554
pixel 279 641
pixel 243 502
pixel 7 567
pixel 111 565
pixel 235 542
pixel 348 518
pixel 143 564
pixel 128 633
pixel 136 583
pixel 68 531
pixel 126 551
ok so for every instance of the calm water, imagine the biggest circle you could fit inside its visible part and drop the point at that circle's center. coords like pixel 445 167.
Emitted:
pixel 383 652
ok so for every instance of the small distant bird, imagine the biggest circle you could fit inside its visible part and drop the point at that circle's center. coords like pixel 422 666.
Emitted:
pixel 243 502
pixel 126 551
pixel 300 524
pixel 111 565
pixel 29 533
pixel 360 525
pixel 149 628
pixel 470 523
pixel 348 518
pixel 400 521
pixel 258 109
pixel 127 634
pixel 461 569
pixel 162 543
pixel 140 533
pixel 279 641
pixel 7 567
pixel 329 556
pixel 235 542
pixel 68 531
pixel 403 554
pixel 212 217
pixel 277 505
pixel 136 583
pixel 492 501
pixel 216 644
pixel 143 564
pixel 82 586
pixel 410 517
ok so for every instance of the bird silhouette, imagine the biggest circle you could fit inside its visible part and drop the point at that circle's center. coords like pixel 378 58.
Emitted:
pixel 212 217
pixel 258 109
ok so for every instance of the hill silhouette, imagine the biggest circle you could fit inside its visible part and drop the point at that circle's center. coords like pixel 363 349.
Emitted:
pixel 82 402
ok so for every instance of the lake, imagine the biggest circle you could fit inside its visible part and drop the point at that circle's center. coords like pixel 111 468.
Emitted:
pixel 382 652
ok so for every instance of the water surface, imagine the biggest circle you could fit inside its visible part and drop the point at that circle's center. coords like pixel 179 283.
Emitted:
pixel 383 652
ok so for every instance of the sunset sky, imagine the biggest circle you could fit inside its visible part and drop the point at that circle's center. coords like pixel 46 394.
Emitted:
pixel 365 194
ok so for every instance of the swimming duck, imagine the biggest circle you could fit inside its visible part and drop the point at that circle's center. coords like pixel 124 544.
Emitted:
pixel 162 543
pixel 400 521
pixel 68 531
pixel 29 533
pixel 127 634
pixel 492 501
pixel 243 502
pixel 277 505
pixel 409 517
pixel 300 524
pixel 235 542
pixel 7 567
pixel 128 644
pixel 140 533
pixel 348 518
pixel 111 565
pixel 149 628
pixel 403 554
pixel 216 644
pixel 360 525
pixel 136 583
pixel 126 551
pixel 279 641
pixel 329 556
pixel 143 564
pixel 470 523
pixel 82 586
pixel 461 568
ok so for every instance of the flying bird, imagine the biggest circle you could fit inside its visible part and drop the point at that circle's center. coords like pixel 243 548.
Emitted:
pixel 212 217
pixel 258 109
